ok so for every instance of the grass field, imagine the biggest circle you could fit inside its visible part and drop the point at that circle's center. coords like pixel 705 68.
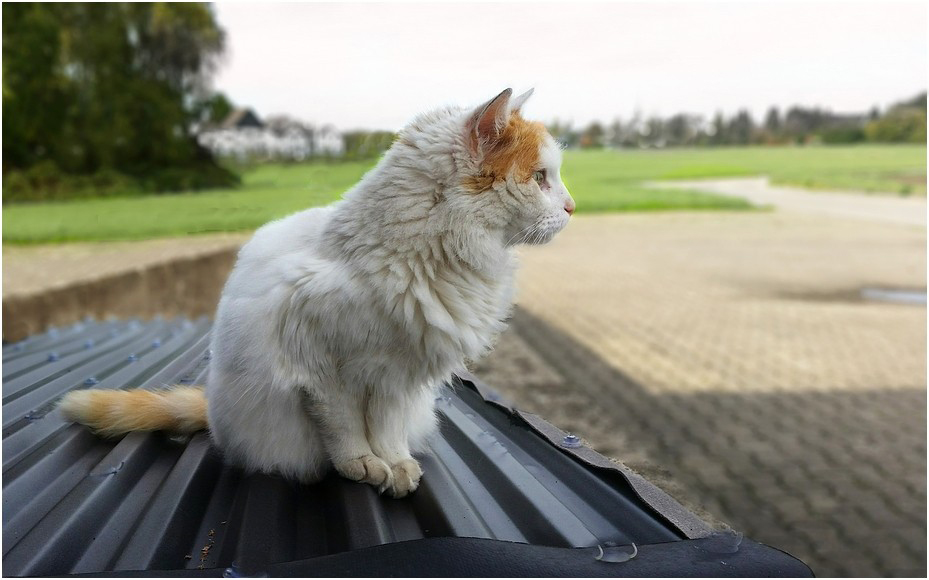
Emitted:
pixel 599 181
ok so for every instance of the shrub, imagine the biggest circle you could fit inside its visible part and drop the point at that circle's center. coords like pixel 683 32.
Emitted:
pixel 900 125
pixel 843 135
pixel 45 181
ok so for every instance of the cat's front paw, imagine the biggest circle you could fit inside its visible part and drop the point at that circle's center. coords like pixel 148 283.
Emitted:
pixel 406 475
pixel 367 469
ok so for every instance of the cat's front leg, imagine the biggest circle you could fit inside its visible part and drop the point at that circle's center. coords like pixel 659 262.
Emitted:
pixel 392 416
pixel 339 414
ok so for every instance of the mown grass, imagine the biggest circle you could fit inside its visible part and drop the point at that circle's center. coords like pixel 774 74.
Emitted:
pixel 894 169
pixel 267 192
pixel 599 180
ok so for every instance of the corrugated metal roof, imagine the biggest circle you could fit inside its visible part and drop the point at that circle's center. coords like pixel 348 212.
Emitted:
pixel 74 503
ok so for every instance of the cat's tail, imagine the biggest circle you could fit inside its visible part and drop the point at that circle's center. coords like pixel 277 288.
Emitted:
pixel 114 412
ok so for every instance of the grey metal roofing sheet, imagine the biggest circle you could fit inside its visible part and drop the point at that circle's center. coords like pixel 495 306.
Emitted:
pixel 74 503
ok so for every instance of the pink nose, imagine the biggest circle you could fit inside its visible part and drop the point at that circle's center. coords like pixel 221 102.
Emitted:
pixel 569 206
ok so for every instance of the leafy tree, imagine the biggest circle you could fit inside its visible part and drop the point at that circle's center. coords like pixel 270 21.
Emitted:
pixel 917 102
pixel 718 128
pixel 616 136
pixel 214 109
pixel 92 88
pixel 681 129
pixel 653 132
pixel 741 127
pixel 900 125
pixel 593 136
pixel 772 121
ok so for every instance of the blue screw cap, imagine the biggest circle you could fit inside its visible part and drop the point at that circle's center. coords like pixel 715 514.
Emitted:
pixel 571 441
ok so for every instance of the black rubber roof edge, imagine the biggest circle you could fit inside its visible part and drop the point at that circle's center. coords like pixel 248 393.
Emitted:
pixel 482 558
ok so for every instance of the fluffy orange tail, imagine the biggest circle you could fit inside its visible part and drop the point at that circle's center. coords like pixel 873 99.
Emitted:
pixel 114 412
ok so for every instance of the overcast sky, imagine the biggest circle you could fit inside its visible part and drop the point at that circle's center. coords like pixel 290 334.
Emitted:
pixel 377 65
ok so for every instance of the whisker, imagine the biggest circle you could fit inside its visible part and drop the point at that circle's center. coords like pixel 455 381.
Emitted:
pixel 523 231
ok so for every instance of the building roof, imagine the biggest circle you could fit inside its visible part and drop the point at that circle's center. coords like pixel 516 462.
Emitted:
pixel 504 493
pixel 241 118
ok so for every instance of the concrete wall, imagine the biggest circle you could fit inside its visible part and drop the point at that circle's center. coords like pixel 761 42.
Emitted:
pixel 188 286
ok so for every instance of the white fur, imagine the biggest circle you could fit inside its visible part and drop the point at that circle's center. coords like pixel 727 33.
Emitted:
pixel 338 324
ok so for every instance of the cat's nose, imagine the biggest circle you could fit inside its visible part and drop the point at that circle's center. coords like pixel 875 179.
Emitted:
pixel 569 206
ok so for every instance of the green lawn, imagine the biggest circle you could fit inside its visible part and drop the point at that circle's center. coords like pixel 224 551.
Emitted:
pixel 895 169
pixel 599 181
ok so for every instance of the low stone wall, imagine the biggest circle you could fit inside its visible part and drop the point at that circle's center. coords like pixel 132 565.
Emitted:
pixel 188 286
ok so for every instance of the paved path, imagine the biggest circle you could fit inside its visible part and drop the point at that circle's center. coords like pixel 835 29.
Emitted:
pixel 731 358
pixel 875 207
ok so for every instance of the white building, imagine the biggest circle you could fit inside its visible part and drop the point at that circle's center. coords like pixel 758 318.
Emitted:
pixel 244 136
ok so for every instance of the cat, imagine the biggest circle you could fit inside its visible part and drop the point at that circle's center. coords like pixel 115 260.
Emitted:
pixel 338 324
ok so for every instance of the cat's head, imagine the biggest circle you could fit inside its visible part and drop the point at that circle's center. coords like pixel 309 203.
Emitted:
pixel 512 173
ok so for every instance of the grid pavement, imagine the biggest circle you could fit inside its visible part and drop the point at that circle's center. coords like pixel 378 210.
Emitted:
pixel 730 358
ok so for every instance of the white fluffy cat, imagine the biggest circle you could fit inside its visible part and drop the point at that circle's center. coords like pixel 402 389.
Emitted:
pixel 338 324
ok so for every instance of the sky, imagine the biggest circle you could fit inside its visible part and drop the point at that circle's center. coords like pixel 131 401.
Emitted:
pixel 375 66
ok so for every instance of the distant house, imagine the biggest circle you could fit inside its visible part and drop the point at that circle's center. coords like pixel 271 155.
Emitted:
pixel 242 119
pixel 244 136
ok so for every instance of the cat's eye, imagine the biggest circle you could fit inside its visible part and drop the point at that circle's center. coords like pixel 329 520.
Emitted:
pixel 539 176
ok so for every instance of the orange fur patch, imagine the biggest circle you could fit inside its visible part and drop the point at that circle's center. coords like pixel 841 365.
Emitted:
pixel 515 151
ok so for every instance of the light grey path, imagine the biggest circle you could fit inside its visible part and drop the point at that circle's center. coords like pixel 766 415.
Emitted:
pixel 759 191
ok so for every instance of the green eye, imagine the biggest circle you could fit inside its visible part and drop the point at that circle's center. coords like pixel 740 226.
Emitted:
pixel 539 176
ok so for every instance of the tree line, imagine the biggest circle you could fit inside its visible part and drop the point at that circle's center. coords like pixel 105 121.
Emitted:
pixel 904 122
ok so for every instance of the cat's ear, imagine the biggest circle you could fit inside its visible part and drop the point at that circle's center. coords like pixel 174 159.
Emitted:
pixel 519 101
pixel 488 120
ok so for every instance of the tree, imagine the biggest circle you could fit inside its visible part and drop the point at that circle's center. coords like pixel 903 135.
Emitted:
pixel 213 109
pixel 617 136
pixel 110 87
pixel 593 135
pixel 681 129
pixel 741 128
pixel 654 132
pixel 772 121
pixel 717 130
pixel 900 125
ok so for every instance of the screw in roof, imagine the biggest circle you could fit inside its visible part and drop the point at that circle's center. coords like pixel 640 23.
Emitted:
pixel 52 357
pixel 571 441
pixel 91 381
pixel 132 357
pixel 89 343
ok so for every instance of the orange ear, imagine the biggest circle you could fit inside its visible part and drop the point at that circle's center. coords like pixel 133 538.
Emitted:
pixel 488 120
